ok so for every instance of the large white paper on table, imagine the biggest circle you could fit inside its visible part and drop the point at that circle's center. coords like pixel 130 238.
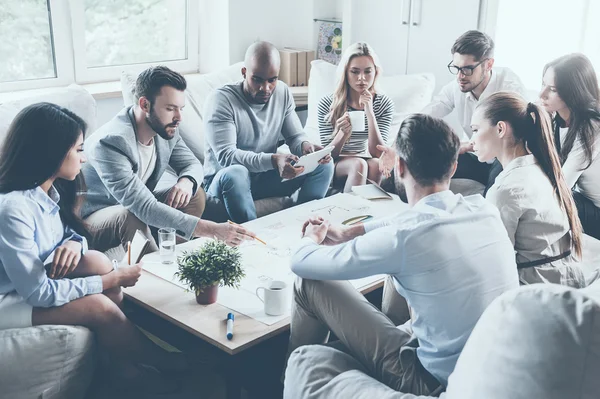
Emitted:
pixel 264 263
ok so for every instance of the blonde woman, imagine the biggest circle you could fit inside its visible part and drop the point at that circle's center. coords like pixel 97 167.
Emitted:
pixel 355 152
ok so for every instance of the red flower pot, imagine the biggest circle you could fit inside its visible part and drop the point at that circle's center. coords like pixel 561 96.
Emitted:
pixel 208 295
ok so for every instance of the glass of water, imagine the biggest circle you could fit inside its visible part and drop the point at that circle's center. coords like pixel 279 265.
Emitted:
pixel 166 244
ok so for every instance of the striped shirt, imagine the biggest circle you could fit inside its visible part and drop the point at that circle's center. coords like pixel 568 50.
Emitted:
pixel 383 107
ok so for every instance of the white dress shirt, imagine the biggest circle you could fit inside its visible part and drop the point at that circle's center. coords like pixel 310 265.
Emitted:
pixel 585 179
pixel 30 231
pixel 536 224
pixel 450 97
pixel 449 257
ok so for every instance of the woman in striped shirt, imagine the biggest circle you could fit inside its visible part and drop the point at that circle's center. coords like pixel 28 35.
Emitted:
pixel 356 152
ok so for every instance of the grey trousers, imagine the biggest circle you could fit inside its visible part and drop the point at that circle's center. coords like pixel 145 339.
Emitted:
pixel 115 226
pixel 318 371
pixel 372 344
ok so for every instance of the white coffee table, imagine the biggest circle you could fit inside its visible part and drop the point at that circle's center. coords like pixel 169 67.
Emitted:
pixel 172 303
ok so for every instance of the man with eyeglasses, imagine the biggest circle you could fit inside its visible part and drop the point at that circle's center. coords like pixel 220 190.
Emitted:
pixel 476 78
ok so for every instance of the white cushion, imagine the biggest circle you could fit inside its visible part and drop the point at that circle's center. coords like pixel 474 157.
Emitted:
pixel 46 362
pixel 410 94
pixel 73 97
pixel 198 89
pixel 538 341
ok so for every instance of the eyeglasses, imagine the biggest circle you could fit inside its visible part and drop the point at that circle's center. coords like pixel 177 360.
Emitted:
pixel 467 70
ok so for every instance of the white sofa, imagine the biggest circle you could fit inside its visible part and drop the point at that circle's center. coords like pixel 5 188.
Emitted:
pixel 410 93
pixel 50 362
pixel 537 341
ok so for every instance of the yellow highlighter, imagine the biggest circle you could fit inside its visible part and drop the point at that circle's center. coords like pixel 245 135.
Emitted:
pixel 356 219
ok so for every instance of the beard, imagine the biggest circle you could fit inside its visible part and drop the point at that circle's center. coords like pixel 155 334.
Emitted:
pixel 400 188
pixel 472 86
pixel 156 125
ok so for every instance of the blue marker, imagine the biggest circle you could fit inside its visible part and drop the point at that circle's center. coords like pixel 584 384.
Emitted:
pixel 230 326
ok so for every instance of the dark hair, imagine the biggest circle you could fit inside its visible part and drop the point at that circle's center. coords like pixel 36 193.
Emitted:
pixel 150 81
pixel 531 125
pixel 577 85
pixel 475 43
pixel 37 143
pixel 429 147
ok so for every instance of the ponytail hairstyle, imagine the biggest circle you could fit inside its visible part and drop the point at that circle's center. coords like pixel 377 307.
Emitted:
pixel 339 103
pixel 577 85
pixel 532 126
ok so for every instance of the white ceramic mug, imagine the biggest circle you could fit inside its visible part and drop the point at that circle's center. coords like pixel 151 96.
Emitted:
pixel 275 297
pixel 357 120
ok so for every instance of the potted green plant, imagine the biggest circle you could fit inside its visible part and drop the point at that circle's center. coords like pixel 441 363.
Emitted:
pixel 212 265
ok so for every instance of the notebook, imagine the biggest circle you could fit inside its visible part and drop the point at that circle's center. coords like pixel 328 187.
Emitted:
pixel 139 248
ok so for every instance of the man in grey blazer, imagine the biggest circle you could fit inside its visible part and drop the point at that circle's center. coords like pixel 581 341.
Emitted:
pixel 127 157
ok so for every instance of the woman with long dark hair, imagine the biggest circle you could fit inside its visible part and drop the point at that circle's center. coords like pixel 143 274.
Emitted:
pixel 47 275
pixel 534 200
pixel 570 93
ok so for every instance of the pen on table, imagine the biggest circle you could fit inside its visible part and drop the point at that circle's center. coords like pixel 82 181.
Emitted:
pixel 230 326
pixel 129 253
pixel 256 238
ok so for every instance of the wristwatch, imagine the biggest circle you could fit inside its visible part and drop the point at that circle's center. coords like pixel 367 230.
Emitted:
pixel 194 182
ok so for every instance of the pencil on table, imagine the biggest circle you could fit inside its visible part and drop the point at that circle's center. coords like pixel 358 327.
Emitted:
pixel 256 238
pixel 371 181
pixel 129 253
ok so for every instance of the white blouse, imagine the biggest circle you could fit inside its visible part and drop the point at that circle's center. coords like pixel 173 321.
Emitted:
pixel 535 222
pixel 586 181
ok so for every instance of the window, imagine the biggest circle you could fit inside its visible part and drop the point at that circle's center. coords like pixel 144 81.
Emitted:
pixel 26 46
pixel 110 36
pixel 529 34
pixel 56 42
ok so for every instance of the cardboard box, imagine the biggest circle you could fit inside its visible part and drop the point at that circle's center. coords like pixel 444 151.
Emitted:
pixel 301 69
pixel 305 57
pixel 288 71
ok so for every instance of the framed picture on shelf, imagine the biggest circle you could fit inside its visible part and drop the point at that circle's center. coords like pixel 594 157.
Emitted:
pixel 329 45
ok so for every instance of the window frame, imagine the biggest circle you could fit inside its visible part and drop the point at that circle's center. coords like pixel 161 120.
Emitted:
pixel 67 26
pixel 63 52
pixel 85 74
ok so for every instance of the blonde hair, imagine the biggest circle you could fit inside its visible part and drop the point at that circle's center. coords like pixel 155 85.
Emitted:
pixel 339 103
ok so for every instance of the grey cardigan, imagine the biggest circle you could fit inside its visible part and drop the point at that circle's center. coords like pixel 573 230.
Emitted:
pixel 111 174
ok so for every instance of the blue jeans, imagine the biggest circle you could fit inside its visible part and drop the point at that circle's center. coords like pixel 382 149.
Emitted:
pixel 238 188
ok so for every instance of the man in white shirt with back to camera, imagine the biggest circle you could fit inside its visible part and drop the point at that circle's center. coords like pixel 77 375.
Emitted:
pixel 476 78
pixel 449 256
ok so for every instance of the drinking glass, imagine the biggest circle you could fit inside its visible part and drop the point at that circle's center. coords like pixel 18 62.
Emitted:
pixel 166 244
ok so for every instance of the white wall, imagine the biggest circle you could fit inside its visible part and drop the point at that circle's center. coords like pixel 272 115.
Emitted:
pixel 213 43
pixel 283 23
pixel 228 27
